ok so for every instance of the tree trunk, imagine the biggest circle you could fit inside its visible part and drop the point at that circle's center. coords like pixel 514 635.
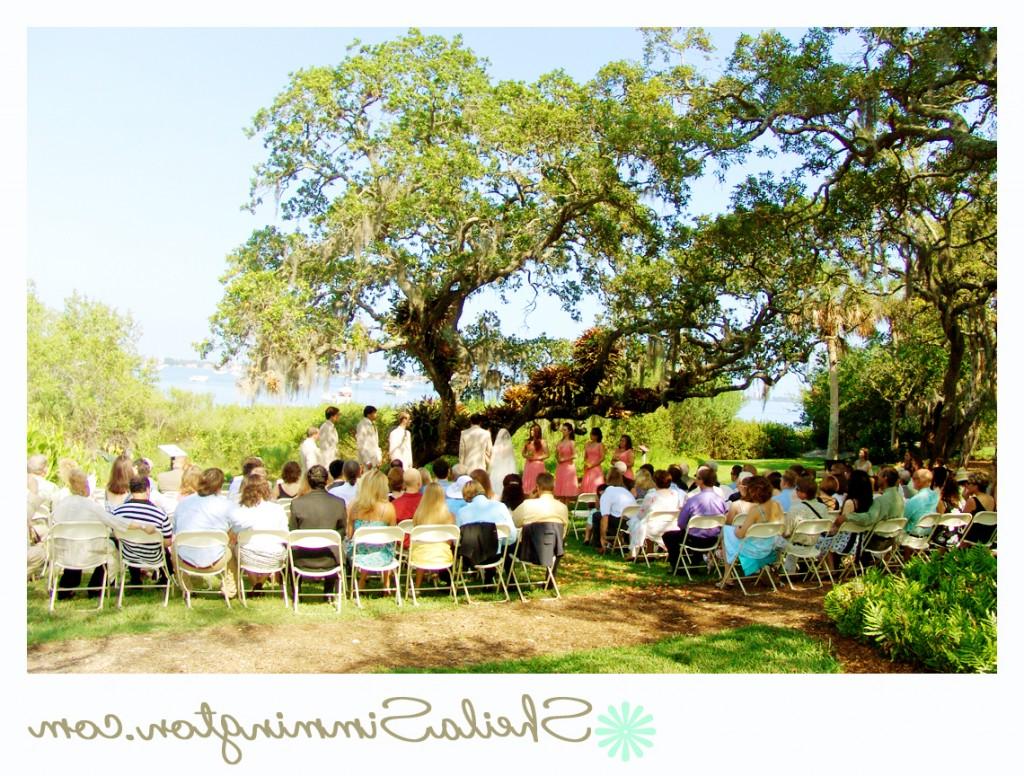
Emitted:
pixel 832 344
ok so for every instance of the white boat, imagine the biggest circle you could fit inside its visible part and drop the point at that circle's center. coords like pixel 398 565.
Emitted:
pixel 341 396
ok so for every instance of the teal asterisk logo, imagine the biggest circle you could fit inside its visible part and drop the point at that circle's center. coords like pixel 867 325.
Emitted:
pixel 625 733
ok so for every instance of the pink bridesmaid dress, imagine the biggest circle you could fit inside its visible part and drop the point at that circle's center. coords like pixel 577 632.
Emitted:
pixel 566 484
pixel 534 466
pixel 627 457
pixel 593 456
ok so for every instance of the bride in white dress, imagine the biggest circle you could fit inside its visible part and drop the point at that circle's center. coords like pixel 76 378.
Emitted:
pixel 503 459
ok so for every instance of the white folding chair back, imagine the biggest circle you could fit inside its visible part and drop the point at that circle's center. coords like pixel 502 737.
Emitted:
pixel 850 557
pixel 882 540
pixel 698 523
pixel 497 565
pixel 378 536
pixel 82 546
pixel 257 561
pixel 620 541
pixel 316 539
pixel 802 548
pixel 287 504
pixel 916 545
pixel 584 506
pixel 154 542
pixel 200 540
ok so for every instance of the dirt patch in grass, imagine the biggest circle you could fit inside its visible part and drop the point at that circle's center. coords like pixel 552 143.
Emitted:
pixel 475 633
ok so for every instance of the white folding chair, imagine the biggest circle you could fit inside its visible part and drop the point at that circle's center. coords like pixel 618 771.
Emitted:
pixel 379 537
pixel 656 525
pixel 850 557
pixel 882 539
pixel 620 541
pixel 146 544
pixel 79 546
pixel 259 561
pixel 406 526
pixel 695 523
pixel 421 536
pixel 981 519
pixel 802 548
pixel 756 532
pixel 915 545
pixel 200 540
pixel 549 533
pixel 326 540
pixel 497 566
pixel 584 507
pixel 287 504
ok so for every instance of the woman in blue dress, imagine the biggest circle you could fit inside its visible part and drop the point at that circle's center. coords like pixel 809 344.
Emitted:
pixel 757 507
pixel 372 508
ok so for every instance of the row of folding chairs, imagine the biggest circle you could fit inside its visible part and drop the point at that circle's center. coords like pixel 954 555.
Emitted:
pixel 85 546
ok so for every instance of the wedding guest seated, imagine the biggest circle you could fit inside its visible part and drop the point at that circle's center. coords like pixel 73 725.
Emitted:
pixel 512 491
pixel 704 502
pixel 256 511
pixel 75 508
pixel 432 510
pixel 345 487
pixel 289 485
pixel 752 554
pixel 248 465
pixel 396 482
pixel 787 486
pixel 613 501
pixel 480 509
pixel 977 499
pixel 318 509
pixel 661 498
pixel 406 504
pixel 922 503
pixel 121 473
pixel 827 492
pixel 207 510
pixel 140 510
pixel 544 508
pixel 441 469
pixel 453 494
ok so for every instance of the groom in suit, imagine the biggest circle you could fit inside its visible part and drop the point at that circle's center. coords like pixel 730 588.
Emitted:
pixel 475 445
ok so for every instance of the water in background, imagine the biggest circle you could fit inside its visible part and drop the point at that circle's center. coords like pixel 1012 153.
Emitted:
pixel 223 387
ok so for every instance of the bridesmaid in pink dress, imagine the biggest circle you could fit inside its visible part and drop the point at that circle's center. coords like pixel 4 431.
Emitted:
pixel 566 484
pixel 535 452
pixel 593 457
pixel 624 453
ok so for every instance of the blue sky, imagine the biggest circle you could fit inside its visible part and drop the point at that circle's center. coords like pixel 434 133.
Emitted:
pixel 138 164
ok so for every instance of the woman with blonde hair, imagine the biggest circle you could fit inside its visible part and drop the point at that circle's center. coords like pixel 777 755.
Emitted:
pixel 433 510
pixel 372 507
pixel 190 481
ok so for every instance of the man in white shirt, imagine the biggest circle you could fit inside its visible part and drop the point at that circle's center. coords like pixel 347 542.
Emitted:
pixel 75 508
pixel 367 441
pixel 328 438
pixel 613 501
pixel 400 441
pixel 545 508
pixel 475 445
pixel 309 450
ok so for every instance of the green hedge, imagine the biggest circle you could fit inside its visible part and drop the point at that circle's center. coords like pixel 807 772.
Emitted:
pixel 939 613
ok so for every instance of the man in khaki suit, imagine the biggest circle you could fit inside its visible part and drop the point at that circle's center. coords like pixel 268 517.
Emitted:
pixel 475 445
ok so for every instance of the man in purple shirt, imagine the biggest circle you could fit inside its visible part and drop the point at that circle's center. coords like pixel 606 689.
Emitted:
pixel 704 502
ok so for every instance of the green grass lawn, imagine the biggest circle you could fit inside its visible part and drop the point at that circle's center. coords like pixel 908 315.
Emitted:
pixel 748 650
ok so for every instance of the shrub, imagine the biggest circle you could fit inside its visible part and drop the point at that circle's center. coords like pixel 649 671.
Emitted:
pixel 940 612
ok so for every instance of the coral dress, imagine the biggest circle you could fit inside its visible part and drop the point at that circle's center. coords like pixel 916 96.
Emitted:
pixel 566 484
pixel 627 457
pixel 593 456
pixel 534 466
